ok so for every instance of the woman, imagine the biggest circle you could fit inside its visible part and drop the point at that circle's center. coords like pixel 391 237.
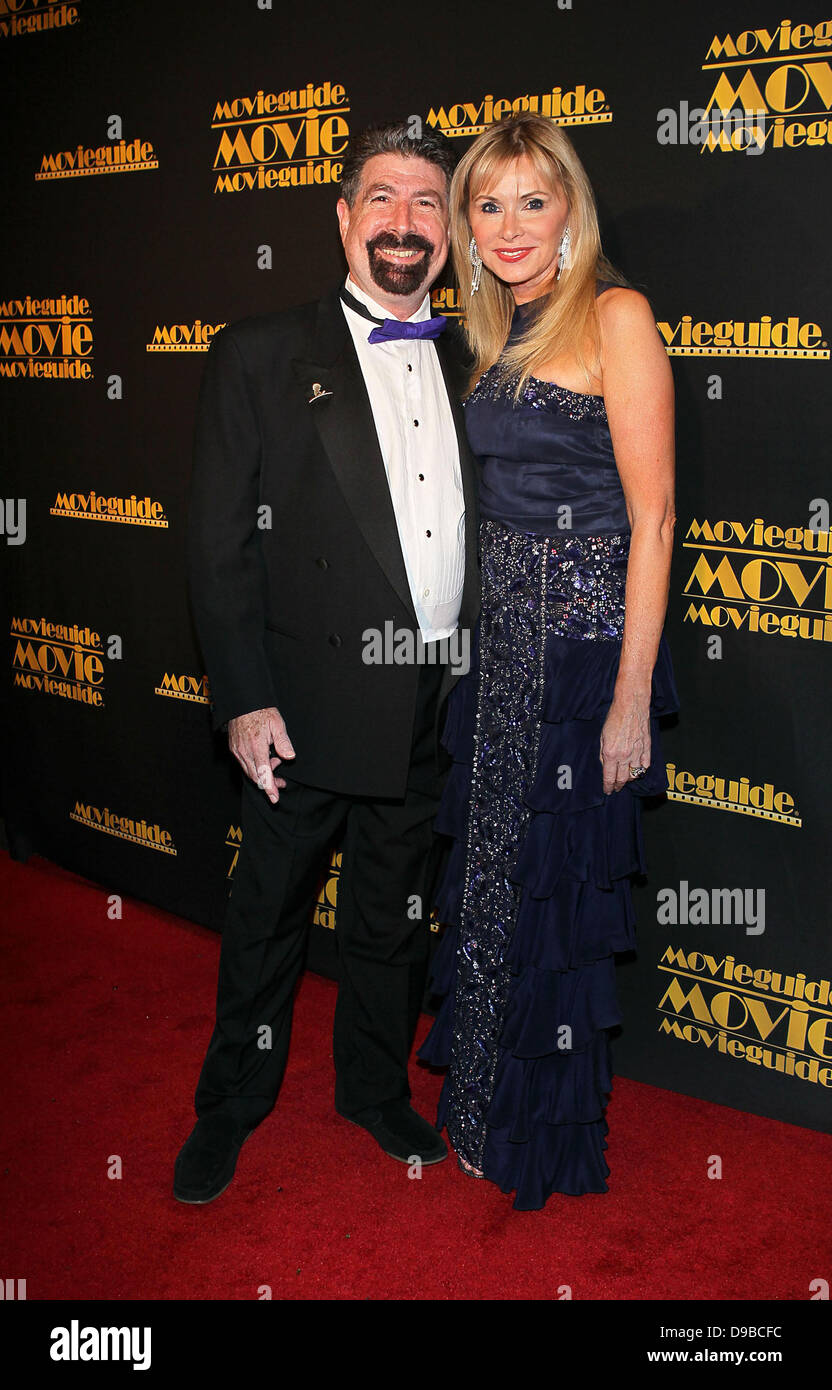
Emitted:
pixel 553 733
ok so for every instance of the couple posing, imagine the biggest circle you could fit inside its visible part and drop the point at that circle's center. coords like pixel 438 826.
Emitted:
pixel 536 519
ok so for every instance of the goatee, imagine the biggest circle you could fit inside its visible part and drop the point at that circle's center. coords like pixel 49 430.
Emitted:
pixel 395 277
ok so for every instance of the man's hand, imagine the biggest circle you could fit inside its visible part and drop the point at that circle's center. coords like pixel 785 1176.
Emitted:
pixel 249 738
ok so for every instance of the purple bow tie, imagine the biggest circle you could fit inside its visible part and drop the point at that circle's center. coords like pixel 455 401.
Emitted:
pixel 392 330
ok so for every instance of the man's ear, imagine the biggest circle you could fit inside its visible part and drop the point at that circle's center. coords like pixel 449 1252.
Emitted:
pixel 342 208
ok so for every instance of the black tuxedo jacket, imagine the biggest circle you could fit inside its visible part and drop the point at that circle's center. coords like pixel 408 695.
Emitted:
pixel 293 549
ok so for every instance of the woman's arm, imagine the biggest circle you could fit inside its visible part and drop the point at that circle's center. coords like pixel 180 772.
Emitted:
pixel 638 393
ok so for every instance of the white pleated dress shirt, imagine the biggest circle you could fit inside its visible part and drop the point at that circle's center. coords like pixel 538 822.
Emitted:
pixel 418 443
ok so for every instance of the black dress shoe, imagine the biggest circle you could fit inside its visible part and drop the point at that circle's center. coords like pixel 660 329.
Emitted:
pixel 400 1132
pixel 205 1164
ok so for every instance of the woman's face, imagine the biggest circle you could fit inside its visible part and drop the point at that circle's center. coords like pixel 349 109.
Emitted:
pixel 518 221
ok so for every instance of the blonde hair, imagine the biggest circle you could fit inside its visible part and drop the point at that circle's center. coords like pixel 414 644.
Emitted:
pixel 567 321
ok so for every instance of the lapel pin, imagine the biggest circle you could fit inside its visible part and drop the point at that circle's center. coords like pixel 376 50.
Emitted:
pixel 318 393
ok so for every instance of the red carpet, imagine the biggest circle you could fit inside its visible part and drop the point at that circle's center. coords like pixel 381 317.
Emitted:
pixel 105 1026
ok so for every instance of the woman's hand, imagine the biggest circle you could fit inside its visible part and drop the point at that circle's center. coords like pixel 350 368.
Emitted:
pixel 625 739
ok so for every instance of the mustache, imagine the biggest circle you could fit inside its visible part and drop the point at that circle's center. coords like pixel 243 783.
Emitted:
pixel 388 241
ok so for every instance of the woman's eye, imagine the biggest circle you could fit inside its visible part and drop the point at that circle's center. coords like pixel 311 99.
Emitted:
pixel 534 204
pixel 488 207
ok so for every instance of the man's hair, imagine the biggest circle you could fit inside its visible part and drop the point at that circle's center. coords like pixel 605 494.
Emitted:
pixel 393 137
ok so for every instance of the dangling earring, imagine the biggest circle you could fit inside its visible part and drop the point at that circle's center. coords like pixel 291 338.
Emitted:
pixel 563 251
pixel 476 262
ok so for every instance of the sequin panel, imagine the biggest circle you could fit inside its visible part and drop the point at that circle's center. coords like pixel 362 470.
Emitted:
pixel 532 586
pixel 539 395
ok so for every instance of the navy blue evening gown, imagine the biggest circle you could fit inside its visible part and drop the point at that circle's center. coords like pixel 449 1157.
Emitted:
pixel 537 887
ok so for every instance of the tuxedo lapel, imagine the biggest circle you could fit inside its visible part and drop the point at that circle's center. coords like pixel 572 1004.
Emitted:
pixel 340 407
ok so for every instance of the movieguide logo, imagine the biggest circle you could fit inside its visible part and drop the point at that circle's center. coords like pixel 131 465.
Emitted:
pixel 183 337
pixel 91 506
pixel 194 688
pixel 18 17
pixel 291 139
pixel 47 338
pixel 326 906
pixel 445 300
pixel 116 157
pixel 233 841
pixel 581 106
pixel 763 337
pixel 139 832
pixel 740 794
pixel 755 577
pixel 760 1016
pixel 686 336
pixel 780 77
pixel 327 901
pixel 58 659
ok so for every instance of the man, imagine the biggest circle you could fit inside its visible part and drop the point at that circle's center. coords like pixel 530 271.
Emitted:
pixel 333 493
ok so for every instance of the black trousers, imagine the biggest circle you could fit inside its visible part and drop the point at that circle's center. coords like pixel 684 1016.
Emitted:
pixel 388 874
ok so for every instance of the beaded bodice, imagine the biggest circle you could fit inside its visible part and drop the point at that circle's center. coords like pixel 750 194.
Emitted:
pixel 546 461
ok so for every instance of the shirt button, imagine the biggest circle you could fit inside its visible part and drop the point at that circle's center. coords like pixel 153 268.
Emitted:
pixel 421 477
pixel 322 563
pixel 427 533
pixel 334 639
pixel 409 368
pixel 416 423
pixel 426 593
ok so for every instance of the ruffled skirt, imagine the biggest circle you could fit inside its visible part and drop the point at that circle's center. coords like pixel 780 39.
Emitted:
pixel 536 889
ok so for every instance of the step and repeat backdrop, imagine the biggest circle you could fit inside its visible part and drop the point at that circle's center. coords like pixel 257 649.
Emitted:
pixel 171 167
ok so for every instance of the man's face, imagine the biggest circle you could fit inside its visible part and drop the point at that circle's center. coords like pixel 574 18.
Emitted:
pixel 395 235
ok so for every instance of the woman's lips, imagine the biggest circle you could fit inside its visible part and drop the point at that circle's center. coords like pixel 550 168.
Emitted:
pixel 516 254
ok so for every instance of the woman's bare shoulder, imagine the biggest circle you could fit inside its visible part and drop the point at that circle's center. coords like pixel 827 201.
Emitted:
pixel 621 309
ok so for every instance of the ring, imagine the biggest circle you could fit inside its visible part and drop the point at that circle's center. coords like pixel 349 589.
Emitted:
pixel 636 772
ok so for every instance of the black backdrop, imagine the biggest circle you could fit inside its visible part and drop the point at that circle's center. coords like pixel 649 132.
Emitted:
pixel 109 766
